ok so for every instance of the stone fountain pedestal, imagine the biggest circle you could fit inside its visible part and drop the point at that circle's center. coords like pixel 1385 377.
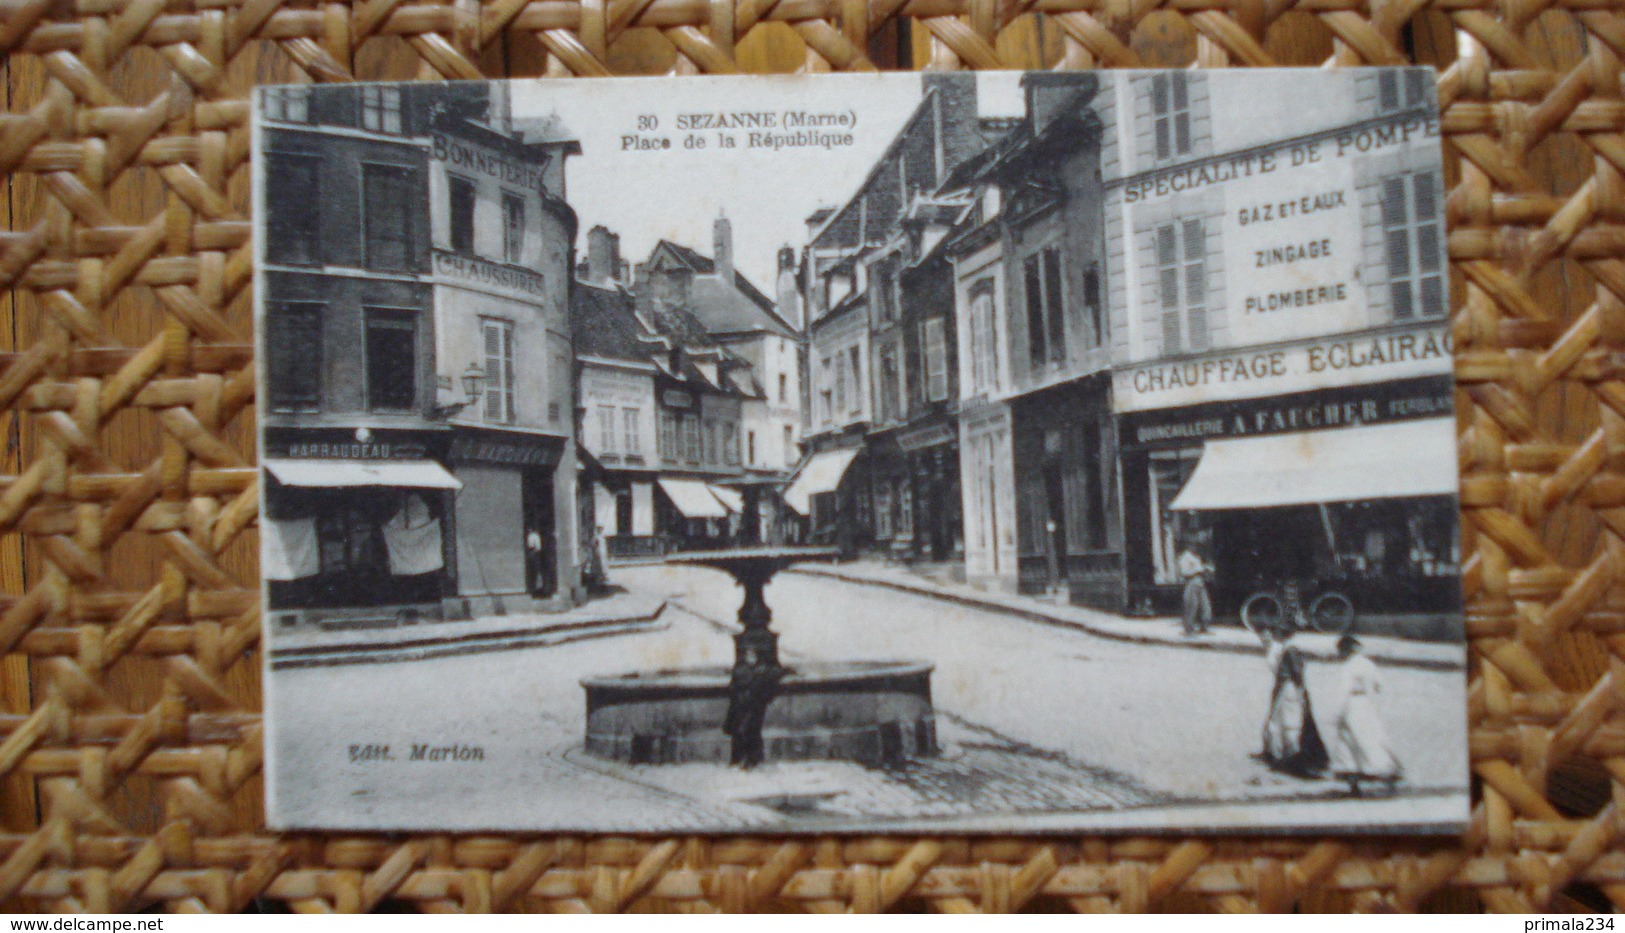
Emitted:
pixel 872 712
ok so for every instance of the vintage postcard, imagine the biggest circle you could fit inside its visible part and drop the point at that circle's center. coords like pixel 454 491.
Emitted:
pixel 994 452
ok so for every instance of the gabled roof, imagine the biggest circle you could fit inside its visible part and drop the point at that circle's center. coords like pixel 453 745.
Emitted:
pixel 605 324
pixel 742 308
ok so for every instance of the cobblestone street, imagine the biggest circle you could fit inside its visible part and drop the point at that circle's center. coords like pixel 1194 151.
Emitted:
pixel 1034 720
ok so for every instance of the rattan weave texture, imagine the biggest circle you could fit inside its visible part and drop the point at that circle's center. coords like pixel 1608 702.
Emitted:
pixel 130 733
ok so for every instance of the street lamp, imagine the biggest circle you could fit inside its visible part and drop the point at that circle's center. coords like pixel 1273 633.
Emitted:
pixel 473 386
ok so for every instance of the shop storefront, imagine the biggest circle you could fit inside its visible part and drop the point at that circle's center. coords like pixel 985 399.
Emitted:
pixel 931 459
pixel 1066 464
pixel 697 515
pixel 513 522
pixel 356 526
pixel 1350 488
pixel 832 496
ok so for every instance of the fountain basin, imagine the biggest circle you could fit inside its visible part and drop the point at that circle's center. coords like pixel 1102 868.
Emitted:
pixel 871 712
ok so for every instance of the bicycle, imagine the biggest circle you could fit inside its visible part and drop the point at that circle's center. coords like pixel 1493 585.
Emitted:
pixel 1330 612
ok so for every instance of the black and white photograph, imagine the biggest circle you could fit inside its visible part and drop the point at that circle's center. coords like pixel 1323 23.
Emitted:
pixel 989 452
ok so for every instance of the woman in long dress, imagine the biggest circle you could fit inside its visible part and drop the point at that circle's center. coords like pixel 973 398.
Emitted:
pixel 1292 742
pixel 1362 752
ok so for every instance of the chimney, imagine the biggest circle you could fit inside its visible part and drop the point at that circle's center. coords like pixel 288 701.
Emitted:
pixel 788 294
pixel 722 243
pixel 603 255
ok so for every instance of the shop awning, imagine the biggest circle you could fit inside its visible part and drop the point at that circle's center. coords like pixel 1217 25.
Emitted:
pixel 730 498
pixel 1381 461
pixel 821 473
pixel 333 474
pixel 693 498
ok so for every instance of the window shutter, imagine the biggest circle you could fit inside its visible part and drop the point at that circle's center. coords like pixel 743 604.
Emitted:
pixel 1181 114
pixel 1387 90
pixel 1168 287
pixel 1159 110
pixel 1416 88
pixel 493 373
pixel 1196 283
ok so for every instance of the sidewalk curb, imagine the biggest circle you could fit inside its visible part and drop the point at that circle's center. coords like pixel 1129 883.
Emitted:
pixel 1035 615
pixel 461 643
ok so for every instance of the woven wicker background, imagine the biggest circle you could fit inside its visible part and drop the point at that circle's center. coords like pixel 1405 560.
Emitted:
pixel 130 732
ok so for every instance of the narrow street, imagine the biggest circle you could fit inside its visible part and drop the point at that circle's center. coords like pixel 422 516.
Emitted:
pixel 1052 723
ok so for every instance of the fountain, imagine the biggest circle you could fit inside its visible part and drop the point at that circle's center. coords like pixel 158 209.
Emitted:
pixel 873 712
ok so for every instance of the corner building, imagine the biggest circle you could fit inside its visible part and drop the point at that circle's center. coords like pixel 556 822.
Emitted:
pixel 502 257
pixel 418 397
pixel 1281 355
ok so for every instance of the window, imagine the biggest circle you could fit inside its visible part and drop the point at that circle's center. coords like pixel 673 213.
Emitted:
pixel 381 108
pixel 1171 111
pixel 854 397
pixel 790 445
pixel 888 384
pixel 293 350
pixel 668 436
pixel 883 508
pixel 292 201
pixel 750 447
pixel 691 438
pixel 461 192
pixel 730 443
pixel 711 441
pixel 387 217
pixel 1046 321
pixel 291 104
pixel 905 508
pixel 499 376
pixel 1094 314
pixel 606 429
pixel 934 343
pixel 784 387
pixel 826 394
pixel 629 432
pixel 883 294
pixel 392 359
pixel 1182 283
pixel 840 384
pixel 1410 227
pixel 984 338
pixel 513 228
pixel 1401 89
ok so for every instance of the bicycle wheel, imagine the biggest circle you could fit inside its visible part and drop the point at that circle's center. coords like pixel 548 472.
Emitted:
pixel 1332 613
pixel 1261 612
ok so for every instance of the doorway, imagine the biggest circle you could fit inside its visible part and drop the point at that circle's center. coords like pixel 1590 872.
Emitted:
pixel 541 533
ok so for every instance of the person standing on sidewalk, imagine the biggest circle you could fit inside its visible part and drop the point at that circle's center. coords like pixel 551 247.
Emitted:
pixel 1362 752
pixel 1197 612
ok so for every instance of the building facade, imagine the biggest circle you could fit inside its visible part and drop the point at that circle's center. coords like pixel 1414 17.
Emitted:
pixel 390 412
pixel 686 371
pixel 502 251
pixel 880 452
pixel 1038 423
pixel 1280 304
